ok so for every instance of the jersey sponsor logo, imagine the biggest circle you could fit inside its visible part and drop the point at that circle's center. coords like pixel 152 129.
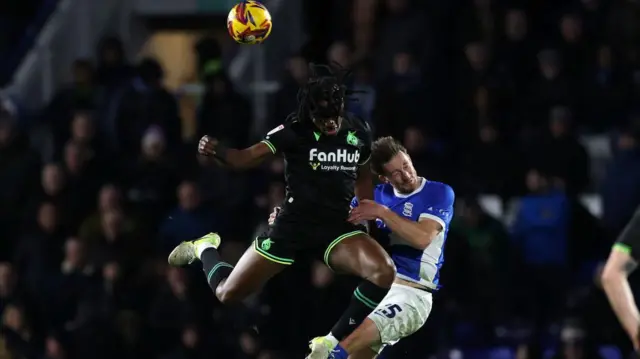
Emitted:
pixel 339 160
pixel 407 211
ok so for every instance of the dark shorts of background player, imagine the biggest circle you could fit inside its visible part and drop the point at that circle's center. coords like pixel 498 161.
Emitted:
pixel 285 241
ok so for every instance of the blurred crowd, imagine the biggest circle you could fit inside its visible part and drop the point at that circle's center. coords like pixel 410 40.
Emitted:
pixel 20 23
pixel 489 96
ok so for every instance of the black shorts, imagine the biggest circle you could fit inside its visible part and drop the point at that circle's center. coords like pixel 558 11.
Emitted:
pixel 286 240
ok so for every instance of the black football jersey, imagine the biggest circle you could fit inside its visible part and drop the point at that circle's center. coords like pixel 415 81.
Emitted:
pixel 320 170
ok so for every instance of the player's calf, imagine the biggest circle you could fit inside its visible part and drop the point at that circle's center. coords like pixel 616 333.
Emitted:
pixel 400 314
pixel 362 256
pixel 231 285
pixel 216 270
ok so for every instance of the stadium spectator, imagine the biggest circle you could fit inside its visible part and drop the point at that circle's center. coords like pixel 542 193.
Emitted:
pixel 144 102
pixel 540 239
pixel 224 113
pixel 561 153
pixel 190 218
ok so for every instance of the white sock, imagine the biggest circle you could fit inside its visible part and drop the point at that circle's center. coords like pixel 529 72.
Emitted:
pixel 334 341
pixel 200 247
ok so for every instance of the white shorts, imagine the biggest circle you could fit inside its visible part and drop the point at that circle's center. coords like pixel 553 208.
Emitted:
pixel 401 313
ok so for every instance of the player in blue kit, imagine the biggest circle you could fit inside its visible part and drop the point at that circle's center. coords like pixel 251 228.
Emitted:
pixel 415 213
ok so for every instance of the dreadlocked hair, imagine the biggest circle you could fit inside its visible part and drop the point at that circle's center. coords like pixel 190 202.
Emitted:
pixel 327 80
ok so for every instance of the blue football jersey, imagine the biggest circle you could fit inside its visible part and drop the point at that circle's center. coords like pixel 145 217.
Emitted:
pixel 432 200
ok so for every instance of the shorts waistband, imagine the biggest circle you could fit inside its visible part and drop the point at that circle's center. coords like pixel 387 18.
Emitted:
pixel 425 289
pixel 415 286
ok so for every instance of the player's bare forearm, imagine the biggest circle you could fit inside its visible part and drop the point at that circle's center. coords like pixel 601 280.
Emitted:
pixel 418 234
pixel 616 286
pixel 243 159
pixel 211 160
pixel 364 182
pixel 364 189
pixel 621 299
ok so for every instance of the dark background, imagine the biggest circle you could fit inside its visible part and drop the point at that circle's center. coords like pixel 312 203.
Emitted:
pixel 492 97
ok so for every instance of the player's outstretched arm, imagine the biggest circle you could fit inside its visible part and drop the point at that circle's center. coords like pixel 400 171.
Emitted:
pixel 233 158
pixel 364 182
pixel 434 217
pixel 616 285
pixel 418 234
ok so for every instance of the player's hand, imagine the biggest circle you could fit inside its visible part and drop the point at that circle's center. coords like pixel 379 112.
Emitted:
pixel 367 210
pixel 273 215
pixel 207 146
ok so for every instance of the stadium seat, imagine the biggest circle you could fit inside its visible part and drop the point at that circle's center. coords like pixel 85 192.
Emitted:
pixel 593 203
pixel 606 352
pixel 610 352
pixel 597 146
pixel 501 353
pixel 548 353
pixel 475 354
pixel 491 204
pixel 491 353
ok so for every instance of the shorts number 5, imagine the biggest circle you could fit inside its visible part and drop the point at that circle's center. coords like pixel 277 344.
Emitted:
pixel 390 311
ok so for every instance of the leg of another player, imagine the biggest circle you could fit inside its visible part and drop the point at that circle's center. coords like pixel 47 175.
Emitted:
pixel 232 285
pixel 367 353
pixel 361 340
pixel 362 256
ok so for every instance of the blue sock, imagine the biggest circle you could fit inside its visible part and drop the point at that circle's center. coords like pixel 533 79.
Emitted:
pixel 339 353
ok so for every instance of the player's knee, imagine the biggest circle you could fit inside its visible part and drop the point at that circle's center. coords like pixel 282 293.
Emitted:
pixel 383 273
pixel 228 296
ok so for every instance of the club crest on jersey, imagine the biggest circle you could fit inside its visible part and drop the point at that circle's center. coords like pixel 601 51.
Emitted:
pixel 408 209
pixel 339 160
pixel 352 139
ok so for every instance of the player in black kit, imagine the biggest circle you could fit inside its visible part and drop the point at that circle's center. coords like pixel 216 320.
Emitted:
pixel 326 151
pixel 623 259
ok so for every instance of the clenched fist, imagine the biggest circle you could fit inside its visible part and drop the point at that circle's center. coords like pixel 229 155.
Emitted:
pixel 207 146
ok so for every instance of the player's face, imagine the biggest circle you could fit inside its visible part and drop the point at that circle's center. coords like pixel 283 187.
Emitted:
pixel 328 125
pixel 401 174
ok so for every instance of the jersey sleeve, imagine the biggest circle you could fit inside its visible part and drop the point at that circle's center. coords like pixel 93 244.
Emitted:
pixel 629 240
pixel 438 205
pixel 354 202
pixel 367 142
pixel 280 139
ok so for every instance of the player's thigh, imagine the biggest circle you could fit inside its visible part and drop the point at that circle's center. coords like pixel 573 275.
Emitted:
pixel 401 313
pixel 366 353
pixel 356 253
pixel 258 264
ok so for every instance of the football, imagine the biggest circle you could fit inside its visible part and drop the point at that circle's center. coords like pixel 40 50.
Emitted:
pixel 249 22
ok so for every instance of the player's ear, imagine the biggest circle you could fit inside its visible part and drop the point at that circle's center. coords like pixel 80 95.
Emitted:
pixel 383 179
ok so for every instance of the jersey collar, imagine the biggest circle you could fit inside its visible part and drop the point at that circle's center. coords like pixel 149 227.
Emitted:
pixel 406 195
